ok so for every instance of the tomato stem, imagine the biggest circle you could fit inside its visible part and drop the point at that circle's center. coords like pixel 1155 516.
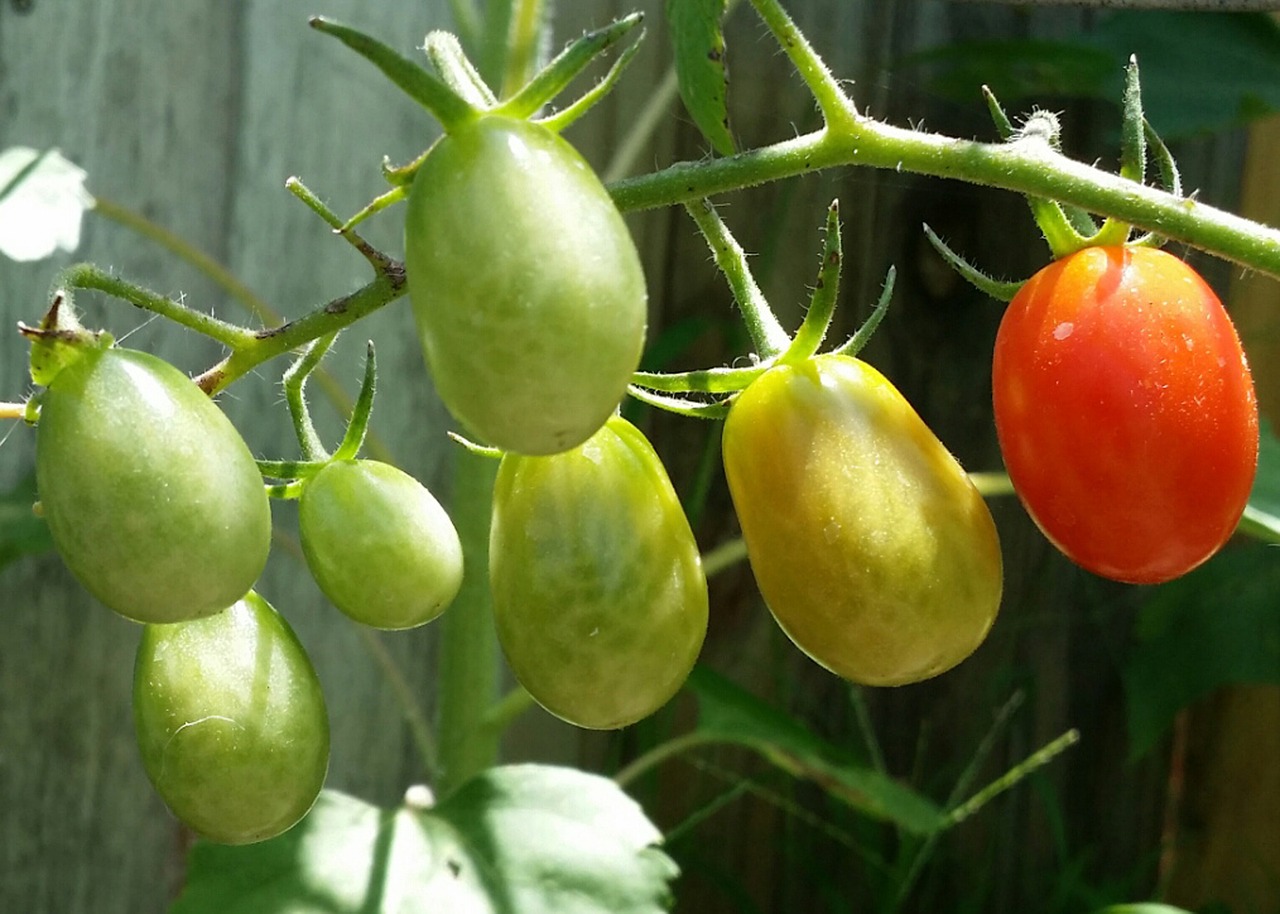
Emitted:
pixel 1032 763
pixel 766 332
pixel 295 382
pixel 1027 167
pixel 469 655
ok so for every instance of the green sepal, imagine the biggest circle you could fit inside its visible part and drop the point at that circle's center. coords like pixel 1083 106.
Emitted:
pixel 551 80
pixel 60 339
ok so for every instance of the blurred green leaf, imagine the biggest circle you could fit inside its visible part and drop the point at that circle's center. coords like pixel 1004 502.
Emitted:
pixel 1201 72
pixel 521 839
pixel 728 713
pixel 1141 908
pixel 1217 626
pixel 42 203
pixel 21 531
pixel 698 41
pixel 1262 516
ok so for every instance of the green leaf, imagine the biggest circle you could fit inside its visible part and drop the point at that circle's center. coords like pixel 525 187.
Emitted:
pixel 1201 72
pixel 1150 907
pixel 698 41
pixel 728 713
pixel 521 839
pixel 1262 516
pixel 1216 626
pixel 21 531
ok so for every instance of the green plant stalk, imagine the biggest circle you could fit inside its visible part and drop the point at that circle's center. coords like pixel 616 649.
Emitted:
pixel 767 335
pixel 660 753
pixel 275 341
pixel 469 653
pixel 233 286
pixel 1026 166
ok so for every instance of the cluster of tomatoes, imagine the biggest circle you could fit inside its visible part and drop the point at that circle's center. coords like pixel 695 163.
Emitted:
pixel 1123 404
pixel 158 508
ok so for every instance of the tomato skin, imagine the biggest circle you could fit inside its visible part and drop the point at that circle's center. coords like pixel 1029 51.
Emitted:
pixel 1126 412
pixel 870 545
pixel 378 543
pixel 599 595
pixel 231 722
pixel 528 290
pixel 152 498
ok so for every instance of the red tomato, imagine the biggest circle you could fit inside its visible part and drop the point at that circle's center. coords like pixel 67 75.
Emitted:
pixel 1126 412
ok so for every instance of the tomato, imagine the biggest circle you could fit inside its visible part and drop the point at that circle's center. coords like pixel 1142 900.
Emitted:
pixel 870 545
pixel 152 498
pixel 1126 412
pixel 528 291
pixel 379 544
pixel 598 590
pixel 231 722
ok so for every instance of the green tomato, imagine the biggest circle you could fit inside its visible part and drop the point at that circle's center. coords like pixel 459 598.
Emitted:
pixel 231 722
pixel 598 590
pixel 379 544
pixel 528 291
pixel 870 545
pixel 152 498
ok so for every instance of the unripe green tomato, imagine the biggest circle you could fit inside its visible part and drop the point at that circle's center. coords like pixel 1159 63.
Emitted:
pixel 598 590
pixel 379 544
pixel 528 291
pixel 869 543
pixel 231 722
pixel 152 497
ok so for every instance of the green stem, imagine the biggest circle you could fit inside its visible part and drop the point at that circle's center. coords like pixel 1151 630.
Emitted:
pixel 660 753
pixel 509 708
pixel 91 276
pixel 295 394
pixel 1025 166
pixel 523 43
pixel 414 715
pixel 1036 760
pixel 231 284
pixel 208 266
pixel 469 655
pixel 990 485
pixel 724 556
pixel 766 333
pixel 836 106
pixel 339 313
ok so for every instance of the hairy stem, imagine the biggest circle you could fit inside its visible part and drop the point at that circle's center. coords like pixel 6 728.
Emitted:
pixel 1027 166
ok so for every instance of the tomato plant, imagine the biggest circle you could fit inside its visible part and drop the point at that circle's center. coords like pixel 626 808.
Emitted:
pixel 1126 412
pixel 598 590
pixel 152 498
pixel 870 545
pixel 363 521
pixel 528 291
pixel 231 722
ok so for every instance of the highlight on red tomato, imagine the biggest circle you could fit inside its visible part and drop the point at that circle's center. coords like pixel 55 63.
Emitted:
pixel 527 288
pixel 598 591
pixel 152 497
pixel 231 722
pixel 1126 412
pixel 378 543
pixel 869 543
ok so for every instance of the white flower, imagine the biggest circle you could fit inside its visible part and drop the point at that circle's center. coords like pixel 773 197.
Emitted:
pixel 42 212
